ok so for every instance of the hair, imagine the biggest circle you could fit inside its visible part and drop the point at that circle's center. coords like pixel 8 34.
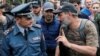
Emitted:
pixel 96 3
pixel 75 1
pixel 73 14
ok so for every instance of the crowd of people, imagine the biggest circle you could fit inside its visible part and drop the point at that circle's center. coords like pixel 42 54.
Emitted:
pixel 51 29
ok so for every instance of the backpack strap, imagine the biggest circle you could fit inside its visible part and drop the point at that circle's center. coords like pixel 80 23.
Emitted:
pixel 81 30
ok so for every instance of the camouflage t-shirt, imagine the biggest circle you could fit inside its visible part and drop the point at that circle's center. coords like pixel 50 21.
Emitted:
pixel 91 37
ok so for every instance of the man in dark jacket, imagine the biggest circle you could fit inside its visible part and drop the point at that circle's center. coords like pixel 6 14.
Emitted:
pixel 50 27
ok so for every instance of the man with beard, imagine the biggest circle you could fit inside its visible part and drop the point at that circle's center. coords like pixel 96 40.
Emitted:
pixel 36 10
pixel 3 24
pixel 50 28
pixel 78 31
pixel 6 22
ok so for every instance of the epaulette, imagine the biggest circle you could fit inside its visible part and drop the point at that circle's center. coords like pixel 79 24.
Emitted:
pixel 6 32
pixel 37 25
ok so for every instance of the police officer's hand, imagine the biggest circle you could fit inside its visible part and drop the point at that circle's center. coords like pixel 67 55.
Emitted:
pixel 63 39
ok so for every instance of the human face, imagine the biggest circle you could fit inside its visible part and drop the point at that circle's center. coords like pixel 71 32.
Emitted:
pixel 61 16
pixel 36 10
pixel 95 7
pixel 25 22
pixel 65 18
pixel 54 1
pixel 2 10
pixel 88 3
pixel 78 6
pixel 48 14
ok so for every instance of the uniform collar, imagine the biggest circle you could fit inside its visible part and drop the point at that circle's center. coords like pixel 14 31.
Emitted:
pixel 19 29
pixel 16 30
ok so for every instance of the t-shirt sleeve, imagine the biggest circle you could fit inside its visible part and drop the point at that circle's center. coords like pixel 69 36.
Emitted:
pixel 91 34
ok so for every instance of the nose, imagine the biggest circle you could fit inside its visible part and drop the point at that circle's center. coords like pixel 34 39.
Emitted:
pixel 49 13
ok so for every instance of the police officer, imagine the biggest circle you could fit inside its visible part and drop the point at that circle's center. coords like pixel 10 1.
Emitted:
pixel 24 39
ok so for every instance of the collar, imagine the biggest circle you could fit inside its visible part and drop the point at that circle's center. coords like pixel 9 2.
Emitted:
pixel 19 29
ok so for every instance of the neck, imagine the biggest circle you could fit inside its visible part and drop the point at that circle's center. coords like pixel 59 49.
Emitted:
pixel 37 13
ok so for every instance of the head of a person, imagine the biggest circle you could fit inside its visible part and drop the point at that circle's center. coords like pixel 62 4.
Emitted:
pixel 53 1
pixel 36 7
pixel 67 13
pixel 22 15
pixel 95 6
pixel 48 9
pixel 2 8
pixel 88 3
pixel 76 3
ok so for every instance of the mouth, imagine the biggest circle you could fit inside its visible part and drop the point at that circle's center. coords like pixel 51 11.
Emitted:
pixel 48 20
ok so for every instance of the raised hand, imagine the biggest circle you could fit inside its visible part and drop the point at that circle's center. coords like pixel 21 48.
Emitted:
pixel 62 38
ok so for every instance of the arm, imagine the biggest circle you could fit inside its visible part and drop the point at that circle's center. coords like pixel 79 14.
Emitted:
pixel 57 52
pixel 88 50
pixel 43 46
pixel 91 34
pixel 5 48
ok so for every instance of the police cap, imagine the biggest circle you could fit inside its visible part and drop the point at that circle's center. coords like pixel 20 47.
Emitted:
pixel 22 10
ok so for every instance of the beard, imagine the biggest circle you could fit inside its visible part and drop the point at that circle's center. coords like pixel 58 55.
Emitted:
pixel 66 22
pixel 48 18
pixel 3 20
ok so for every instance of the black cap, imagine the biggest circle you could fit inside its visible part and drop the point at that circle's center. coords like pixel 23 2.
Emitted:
pixel 22 10
pixel 36 4
pixel 67 8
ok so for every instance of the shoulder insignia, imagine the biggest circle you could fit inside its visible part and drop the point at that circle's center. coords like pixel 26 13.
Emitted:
pixel 6 32
pixel 37 25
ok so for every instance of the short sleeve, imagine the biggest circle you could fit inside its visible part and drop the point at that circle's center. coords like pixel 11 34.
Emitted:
pixel 91 34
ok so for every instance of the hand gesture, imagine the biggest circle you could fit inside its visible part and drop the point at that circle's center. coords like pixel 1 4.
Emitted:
pixel 63 39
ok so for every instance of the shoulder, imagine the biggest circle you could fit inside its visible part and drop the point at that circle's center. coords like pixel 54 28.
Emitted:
pixel 37 26
pixel 89 24
pixel 8 31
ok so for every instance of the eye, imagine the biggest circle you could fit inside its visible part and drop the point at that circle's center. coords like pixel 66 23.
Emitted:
pixel 97 7
pixel 28 18
pixel 75 5
pixel 93 7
